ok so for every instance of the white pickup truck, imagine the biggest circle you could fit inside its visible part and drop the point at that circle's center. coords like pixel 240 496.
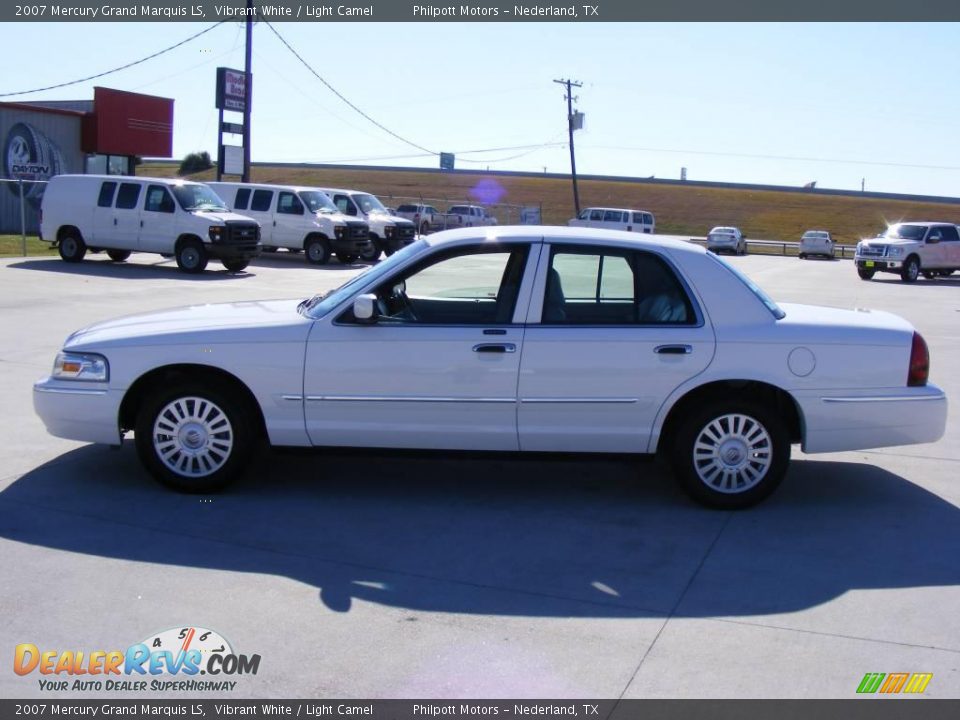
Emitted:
pixel 468 216
pixel 911 249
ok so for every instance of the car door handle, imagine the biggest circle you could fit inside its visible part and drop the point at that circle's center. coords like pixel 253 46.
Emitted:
pixel 495 348
pixel 673 349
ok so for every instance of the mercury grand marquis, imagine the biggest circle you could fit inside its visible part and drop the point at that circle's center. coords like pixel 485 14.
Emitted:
pixel 506 339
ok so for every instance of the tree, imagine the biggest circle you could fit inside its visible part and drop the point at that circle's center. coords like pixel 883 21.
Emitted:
pixel 195 162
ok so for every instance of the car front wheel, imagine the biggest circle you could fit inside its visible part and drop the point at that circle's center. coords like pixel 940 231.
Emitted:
pixel 317 250
pixel 731 454
pixel 910 270
pixel 865 273
pixel 195 438
pixel 192 257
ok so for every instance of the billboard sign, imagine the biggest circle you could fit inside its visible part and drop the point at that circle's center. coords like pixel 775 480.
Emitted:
pixel 231 89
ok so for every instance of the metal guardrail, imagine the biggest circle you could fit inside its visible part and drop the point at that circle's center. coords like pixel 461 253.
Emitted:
pixel 843 252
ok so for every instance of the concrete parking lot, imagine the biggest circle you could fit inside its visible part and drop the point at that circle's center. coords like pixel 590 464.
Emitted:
pixel 428 575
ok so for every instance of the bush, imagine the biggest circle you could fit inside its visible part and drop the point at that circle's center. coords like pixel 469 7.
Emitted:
pixel 195 162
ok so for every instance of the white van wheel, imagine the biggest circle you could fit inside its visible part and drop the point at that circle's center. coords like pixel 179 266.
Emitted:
pixel 72 247
pixel 191 257
pixel 318 250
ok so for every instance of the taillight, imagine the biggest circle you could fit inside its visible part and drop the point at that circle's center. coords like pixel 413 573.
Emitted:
pixel 919 362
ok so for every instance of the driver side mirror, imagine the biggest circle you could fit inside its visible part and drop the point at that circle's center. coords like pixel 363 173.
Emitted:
pixel 365 308
pixel 933 239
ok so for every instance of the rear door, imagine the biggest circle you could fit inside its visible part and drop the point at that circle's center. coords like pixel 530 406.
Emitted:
pixel 125 232
pixel 103 215
pixel 610 333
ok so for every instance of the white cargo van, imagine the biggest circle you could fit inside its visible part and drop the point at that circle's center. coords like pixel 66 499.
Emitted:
pixel 639 221
pixel 298 218
pixel 123 214
pixel 388 233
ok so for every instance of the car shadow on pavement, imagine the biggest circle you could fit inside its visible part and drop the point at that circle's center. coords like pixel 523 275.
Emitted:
pixel 158 270
pixel 543 537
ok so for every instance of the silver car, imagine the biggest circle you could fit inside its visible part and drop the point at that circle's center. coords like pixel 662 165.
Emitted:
pixel 726 239
pixel 816 242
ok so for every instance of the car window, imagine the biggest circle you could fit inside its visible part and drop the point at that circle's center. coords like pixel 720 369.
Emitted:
pixel 128 195
pixel 289 204
pixel 613 287
pixel 261 200
pixel 243 197
pixel 612 216
pixel 158 200
pixel 106 194
pixel 473 286
pixel 596 215
pixel 344 205
pixel 949 232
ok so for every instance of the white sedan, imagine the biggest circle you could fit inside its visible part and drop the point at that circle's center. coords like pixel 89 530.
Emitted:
pixel 506 339
pixel 726 239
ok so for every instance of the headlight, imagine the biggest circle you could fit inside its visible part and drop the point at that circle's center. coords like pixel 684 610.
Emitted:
pixel 895 252
pixel 389 231
pixel 216 233
pixel 81 366
pixel 339 231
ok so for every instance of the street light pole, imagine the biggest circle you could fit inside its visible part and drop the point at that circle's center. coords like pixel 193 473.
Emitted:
pixel 248 92
pixel 573 159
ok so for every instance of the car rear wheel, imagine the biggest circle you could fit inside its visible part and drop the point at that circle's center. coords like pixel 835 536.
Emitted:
pixel 118 255
pixel 731 454
pixel 910 270
pixel 317 250
pixel 72 247
pixel 802 256
pixel 196 437
pixel 191 257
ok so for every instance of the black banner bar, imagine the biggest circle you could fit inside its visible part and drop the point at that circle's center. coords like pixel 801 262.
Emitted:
pixel 446 11
pixel 872 708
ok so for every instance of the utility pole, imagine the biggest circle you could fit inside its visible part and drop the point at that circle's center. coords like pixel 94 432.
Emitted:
pixel 248 91
pixel 573 160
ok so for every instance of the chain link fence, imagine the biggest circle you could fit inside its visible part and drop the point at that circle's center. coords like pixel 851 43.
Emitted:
pixel 23 190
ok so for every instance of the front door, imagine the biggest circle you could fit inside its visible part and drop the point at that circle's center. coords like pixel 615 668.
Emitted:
pixel 157 227
pixel 617 333
pixel 438 369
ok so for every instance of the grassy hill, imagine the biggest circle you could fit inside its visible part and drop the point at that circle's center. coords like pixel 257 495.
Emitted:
pixel 679 209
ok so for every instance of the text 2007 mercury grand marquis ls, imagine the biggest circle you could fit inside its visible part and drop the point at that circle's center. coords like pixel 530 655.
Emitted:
pixel 530 339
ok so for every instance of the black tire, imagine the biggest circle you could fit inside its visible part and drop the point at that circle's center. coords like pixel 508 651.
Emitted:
pixel 929 275
pixel 192 257
pixel 371 254
pixel 72 247
pixel 910 270
pixel 866 273
pixel 317 250
pixel 802 256
pixel 235 265
pixel 204 451
pixel 118 255
pixel 347 258
pixel 731 454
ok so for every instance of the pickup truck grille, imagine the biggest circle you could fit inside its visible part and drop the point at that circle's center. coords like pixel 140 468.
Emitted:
pixel 357 231
pixel 873 251
pixel 242 234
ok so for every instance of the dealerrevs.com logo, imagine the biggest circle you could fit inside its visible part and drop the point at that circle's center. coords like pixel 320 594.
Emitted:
pixel 171 660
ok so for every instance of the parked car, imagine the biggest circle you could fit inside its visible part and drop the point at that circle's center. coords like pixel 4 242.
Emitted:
pixel 388 233
pixel 726 239
pixel 911 249
pixel 816 242
pixel 523 338
pixel 424 217
pixel 121 215
pixel 639 221
pixel 298 218
pixel 468 216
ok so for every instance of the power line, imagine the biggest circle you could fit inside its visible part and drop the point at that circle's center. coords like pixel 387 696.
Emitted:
pixel 339 95
pixel 116 69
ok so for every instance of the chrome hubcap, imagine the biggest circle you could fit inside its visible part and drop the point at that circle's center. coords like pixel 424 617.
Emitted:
pixel 315 251
pixel 193 437
pixel 732 453
pixel 190 257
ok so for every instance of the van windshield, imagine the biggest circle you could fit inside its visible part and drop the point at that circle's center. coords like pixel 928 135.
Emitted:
pixel 369 204
pixel 198 197
pixel 317 202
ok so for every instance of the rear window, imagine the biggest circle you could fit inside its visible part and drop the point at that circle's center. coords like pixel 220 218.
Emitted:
pixel 243 197
pixel 106 194
pixel 261 200
pixel 407 208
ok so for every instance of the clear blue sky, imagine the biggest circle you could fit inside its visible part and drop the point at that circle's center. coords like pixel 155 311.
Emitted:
pixel 765 103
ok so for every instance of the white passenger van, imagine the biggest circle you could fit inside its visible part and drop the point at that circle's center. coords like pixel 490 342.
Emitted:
pixel 298 218
pixel 639 221
pixel 123 214
pixel 388 233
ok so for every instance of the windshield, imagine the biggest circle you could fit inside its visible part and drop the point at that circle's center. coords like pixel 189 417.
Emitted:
pixel 754 288
pixel 906 232
pixel 317 202
pixel 319 305
pixel 198 197
pixel 369 204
